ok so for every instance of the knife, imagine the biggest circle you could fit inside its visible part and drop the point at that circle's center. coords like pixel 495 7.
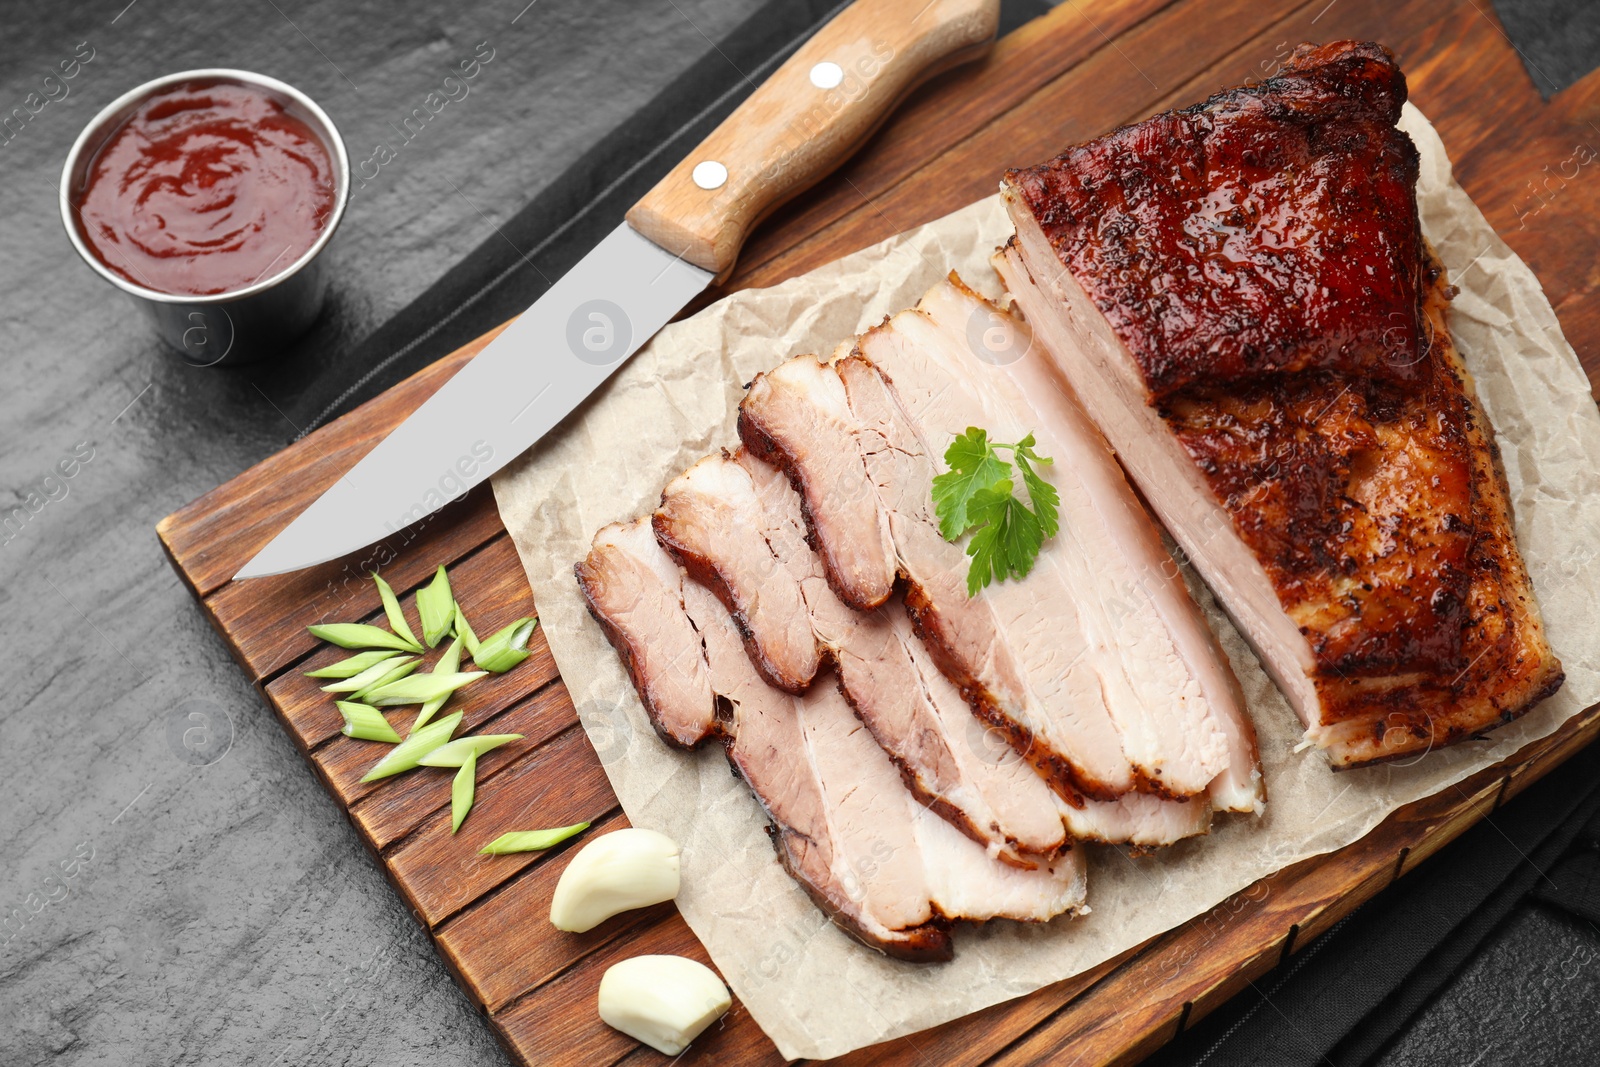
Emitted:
pixel 816 109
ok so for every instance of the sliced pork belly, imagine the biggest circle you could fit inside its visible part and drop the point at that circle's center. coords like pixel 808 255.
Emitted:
pixel 1054 713
pixel 1125 534
pixel 1147 640
pixel 888 871
pixel 947 756
pixel 636 594
pixel 710 521
pixel 1261 333
pixel 1098 665
pixel 802 402
pixel 736 524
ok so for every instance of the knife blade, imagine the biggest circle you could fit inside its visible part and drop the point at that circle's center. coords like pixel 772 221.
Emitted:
pixel 805 120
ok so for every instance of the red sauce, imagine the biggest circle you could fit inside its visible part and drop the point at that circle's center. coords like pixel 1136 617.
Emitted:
pixel 207 188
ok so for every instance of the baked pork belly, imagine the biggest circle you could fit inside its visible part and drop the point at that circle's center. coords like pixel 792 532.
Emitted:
pixel 636 594
pixel 735 524
pixel 1241 293
pixel 1097 666
pixel 889 871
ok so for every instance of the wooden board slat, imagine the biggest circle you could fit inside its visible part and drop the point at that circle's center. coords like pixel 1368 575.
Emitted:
pixel 558 784
pixel 1070 75
pixel 389 810
pixel 492 591
pixel 266 624
pixel 211 537
pixel 502 951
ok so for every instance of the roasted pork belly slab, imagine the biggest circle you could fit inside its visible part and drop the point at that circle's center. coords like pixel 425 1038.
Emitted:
pixel 1270 229
pixel 890 872
pixel 1097 666
pixel 1241 293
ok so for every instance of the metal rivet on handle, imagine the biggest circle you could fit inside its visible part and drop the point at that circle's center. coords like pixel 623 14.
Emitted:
pixel 709 174
pixel 826 75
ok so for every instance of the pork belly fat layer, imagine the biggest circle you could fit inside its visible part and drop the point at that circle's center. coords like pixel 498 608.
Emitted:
pixel 1335 482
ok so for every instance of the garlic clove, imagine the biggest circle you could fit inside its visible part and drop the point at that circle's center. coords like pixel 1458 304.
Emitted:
pixel 664 1001
pixel 615 872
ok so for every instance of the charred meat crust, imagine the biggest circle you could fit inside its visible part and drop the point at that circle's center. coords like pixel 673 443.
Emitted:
pixel 1275 298
pixel 1271 228
pixel 1507 668
pixel 1425 736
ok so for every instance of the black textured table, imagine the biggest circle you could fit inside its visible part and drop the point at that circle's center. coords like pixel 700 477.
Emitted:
pixel 187 892
pixel 175 888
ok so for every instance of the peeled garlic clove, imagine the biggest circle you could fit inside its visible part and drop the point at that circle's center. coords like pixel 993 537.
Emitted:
pixel 664 1001
pixel 616 872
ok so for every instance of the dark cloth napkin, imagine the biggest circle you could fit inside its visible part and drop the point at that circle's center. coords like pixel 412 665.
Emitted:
pixel 1558 40
pixel 511 269
pixel 1345 999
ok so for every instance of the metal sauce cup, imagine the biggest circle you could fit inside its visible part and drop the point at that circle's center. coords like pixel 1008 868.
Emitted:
pixel 248 323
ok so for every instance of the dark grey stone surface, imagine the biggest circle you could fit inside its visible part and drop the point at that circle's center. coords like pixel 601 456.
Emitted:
pixel 226 913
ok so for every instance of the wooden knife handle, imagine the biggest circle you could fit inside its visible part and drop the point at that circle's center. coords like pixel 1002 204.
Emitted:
pixel 806 119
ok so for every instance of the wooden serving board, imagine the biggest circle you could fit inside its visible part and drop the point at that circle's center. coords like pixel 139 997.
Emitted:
pixel 1068 76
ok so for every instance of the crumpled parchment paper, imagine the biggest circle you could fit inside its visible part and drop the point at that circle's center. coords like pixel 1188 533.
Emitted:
pixel 816 992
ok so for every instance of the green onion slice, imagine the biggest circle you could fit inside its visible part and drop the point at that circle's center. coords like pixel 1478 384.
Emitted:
pixel 354 665
pixel 449 663
pixel 464 631
pixel 437 607
pixel 398 672
pixel 366 722
pixel 507 648
pixel 459 751
pixel 361 635
pixel 531 840
pixel 404 756
pixel 461 791
pixel 391 608
pixel 421 688
pixel 373 675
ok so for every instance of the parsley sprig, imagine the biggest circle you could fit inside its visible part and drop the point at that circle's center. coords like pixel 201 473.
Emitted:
pixel 976 494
